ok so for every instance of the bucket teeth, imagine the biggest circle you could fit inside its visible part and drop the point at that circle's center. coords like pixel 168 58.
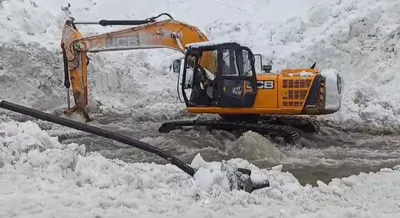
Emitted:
pixel 81 110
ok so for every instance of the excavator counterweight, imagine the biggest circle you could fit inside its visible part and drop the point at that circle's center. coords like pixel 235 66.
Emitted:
pixel 217 78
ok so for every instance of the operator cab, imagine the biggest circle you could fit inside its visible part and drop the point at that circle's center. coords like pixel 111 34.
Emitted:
pixel 218 74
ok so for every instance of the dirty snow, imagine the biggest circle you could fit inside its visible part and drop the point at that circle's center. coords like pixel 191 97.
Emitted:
pixel 40 177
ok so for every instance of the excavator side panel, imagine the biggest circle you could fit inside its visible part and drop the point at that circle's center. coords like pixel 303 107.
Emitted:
pixel 267 96
pixel 295 87
pixel 294 91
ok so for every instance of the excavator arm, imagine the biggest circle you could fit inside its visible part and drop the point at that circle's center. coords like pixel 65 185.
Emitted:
pixel 147 34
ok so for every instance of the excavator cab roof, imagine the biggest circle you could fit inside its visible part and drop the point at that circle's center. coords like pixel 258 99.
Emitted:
pixel 210 45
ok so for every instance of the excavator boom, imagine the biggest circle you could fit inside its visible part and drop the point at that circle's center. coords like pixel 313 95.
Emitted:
pixel 149 34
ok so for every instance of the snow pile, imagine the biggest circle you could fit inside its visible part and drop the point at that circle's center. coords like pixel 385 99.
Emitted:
pixel 359 38
pixel 43 178
pixel 30 74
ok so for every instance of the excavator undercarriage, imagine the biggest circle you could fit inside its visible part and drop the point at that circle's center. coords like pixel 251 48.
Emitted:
pixel 285 127
pixel 217 78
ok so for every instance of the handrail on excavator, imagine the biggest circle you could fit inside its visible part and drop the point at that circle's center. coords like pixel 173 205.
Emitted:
pixel 124 22
pixel 113 22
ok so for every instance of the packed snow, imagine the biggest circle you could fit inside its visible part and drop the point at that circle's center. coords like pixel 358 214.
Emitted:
pixel 42 178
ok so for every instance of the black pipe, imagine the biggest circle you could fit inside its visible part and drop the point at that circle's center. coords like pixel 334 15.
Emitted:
pixel 97 131
pixel 242 183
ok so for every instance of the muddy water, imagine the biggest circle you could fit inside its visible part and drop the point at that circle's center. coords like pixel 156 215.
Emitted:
pixel 330 154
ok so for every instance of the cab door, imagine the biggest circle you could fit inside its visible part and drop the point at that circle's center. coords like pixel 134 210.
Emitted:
pixel 237 82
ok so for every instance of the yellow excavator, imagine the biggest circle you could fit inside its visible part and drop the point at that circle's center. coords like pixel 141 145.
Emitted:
pixel 216 78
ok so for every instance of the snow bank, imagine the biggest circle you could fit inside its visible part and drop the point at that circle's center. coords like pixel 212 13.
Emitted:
pixel 359 38
pixel 43 178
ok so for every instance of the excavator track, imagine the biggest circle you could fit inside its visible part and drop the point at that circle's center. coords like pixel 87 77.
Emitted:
pixel 289 134
pixel 305 124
